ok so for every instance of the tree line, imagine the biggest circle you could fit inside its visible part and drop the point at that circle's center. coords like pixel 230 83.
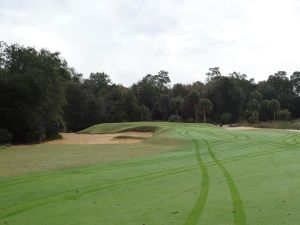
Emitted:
pixel 40 96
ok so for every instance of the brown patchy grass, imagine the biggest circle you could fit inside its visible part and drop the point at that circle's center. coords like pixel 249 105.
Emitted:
pixel 17 160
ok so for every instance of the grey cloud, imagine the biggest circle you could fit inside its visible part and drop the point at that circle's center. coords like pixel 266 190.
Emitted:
pixel 128 39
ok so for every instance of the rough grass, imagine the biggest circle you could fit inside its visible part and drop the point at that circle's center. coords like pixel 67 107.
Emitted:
pixel 293 125
pixel 208 175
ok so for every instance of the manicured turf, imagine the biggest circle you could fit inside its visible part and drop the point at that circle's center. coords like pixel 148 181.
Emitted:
pixel 206 175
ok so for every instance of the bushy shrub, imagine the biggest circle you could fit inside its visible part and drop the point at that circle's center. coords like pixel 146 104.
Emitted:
pixel 252 119
pixel 296 125
pixel 189 120
pixel 174 118
pixel 5 136
pixel 226 118
pixel 284 114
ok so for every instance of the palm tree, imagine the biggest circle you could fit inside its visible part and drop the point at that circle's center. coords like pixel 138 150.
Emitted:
pixel 176 103
pixel 275 106
pixel 254 106
pixel 205 106
pixel 194 99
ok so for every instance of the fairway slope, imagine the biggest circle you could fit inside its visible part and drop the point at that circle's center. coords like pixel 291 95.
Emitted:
pixel 192 174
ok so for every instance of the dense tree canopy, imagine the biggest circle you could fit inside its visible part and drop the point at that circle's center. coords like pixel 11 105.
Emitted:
pixel 32 93
pixel 40 96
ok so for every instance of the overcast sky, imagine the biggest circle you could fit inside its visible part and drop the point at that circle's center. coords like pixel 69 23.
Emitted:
pixel 128 39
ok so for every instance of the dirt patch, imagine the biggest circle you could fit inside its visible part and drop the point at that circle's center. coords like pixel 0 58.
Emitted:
pixel 129 137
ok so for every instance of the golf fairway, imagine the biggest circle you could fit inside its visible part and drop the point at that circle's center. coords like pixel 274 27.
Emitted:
pixel 201 175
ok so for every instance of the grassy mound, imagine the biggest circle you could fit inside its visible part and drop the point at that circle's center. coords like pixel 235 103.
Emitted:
pixel 108 128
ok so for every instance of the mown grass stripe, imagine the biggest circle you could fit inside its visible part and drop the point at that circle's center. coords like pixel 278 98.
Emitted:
pixel 238 207
pixel 17 209
pixel 199 205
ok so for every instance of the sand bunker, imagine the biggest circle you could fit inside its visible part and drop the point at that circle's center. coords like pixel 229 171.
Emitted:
pixel 239 128
pixel 117 138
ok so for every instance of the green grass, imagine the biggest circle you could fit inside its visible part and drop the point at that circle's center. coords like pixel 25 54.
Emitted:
pixel 207 175
pixel 121 127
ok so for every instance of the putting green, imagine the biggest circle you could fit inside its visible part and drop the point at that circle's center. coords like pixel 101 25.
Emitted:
pixel 206 175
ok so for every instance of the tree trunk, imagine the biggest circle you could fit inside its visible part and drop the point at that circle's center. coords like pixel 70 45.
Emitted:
pixel 274 115
pixel 196 119
pixel 177 115
pixel 204 116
